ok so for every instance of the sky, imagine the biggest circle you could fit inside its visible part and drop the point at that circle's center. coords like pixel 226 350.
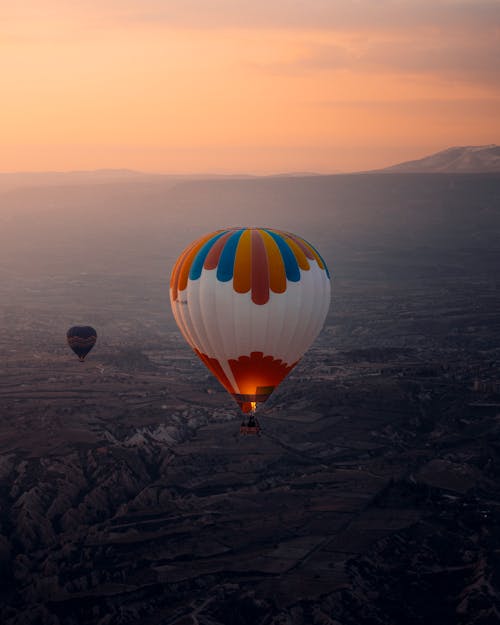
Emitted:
pixel 232 86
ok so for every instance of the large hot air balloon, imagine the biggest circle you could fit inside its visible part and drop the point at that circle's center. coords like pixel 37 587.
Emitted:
pixel 250 301
pixel 81 339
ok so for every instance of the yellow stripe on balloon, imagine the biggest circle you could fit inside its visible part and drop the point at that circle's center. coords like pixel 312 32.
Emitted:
pixel 299 254
pixel 188 261
pixel 317 257
pixel 174 278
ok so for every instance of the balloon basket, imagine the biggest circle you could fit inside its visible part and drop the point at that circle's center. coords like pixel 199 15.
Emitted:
pixel 250 427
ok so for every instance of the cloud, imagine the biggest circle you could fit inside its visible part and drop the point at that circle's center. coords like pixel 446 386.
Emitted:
pixel 354 15
pixel 486 105
pixel 476 61
pixel 304 14
pixel 456 40
pixel 351 15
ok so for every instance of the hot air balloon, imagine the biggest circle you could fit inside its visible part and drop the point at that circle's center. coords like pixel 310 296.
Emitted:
pixel 250 301
pixel 81 339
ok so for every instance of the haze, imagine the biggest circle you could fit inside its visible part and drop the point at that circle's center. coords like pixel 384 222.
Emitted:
pixel 127 493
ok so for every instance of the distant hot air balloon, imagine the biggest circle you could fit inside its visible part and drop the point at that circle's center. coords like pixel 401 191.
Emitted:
pixel 250 301
pixel 81 339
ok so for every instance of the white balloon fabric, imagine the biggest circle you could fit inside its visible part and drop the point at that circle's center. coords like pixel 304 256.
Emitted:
pixel 250 301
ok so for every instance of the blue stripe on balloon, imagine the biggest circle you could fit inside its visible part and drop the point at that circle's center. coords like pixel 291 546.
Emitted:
pixel 322 259
pixel 225 268
pixel 291 266
pixel 199 259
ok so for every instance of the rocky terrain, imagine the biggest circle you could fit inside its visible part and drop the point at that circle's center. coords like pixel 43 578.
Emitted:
pixel 127 494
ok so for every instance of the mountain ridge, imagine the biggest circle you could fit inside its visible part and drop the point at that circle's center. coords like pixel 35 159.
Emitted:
pixel 453 160
pixel 457 159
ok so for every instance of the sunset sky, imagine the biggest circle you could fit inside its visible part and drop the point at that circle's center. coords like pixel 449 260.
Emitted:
pixel 236 86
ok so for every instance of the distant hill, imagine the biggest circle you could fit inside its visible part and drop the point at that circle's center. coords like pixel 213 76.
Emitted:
pixel 459 159
pixel 14 180
pixel 18 180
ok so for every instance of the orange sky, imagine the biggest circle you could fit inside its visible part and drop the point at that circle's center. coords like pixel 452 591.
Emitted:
pixel 232 86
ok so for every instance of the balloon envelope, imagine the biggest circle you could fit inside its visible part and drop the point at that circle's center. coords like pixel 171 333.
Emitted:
pixel 81 339
pixel 250 301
